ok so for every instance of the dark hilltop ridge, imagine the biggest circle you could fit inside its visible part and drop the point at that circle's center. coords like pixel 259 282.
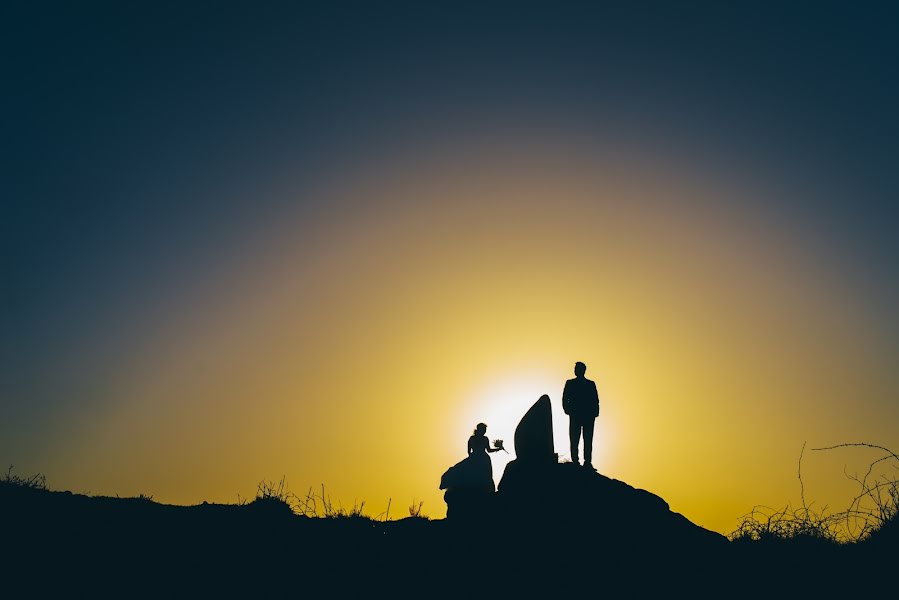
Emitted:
pixel 551 528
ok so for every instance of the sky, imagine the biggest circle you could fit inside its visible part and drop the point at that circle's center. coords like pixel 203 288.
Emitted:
pixel 325 241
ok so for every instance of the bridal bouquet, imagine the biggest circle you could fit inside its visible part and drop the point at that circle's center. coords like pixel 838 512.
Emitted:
pixel 498 444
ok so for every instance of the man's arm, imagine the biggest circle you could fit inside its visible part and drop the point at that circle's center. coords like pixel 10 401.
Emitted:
pixel 565 400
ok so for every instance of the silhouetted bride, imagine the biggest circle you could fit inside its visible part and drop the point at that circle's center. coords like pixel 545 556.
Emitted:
pixel 476 471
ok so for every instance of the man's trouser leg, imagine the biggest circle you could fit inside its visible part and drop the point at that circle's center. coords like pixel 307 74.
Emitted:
pixel 574 435
pixel 588 439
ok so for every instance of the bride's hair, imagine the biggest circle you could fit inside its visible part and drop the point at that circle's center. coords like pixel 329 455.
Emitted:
pixel 480 427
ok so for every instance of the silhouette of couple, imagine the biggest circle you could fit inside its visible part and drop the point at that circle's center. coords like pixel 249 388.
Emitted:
pixel 580 401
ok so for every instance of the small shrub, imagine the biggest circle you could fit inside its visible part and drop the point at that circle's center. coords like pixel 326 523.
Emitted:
pixel 273 496
pixel 269 490
pixel 415 510
pixel 37 481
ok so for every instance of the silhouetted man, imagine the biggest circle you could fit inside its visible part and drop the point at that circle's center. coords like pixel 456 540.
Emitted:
pixel 580 401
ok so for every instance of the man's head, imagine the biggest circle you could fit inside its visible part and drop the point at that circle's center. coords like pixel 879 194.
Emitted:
pixel 579 369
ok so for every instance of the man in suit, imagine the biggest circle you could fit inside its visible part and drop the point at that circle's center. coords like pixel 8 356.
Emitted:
pixel 580 401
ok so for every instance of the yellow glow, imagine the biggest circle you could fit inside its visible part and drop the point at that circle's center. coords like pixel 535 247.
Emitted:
pixel 500 404
pixel 360 352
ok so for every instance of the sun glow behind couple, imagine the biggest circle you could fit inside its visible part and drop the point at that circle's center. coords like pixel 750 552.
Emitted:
pixel 501 402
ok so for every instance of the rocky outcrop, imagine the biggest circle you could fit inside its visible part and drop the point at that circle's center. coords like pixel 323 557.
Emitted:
pixel 566 497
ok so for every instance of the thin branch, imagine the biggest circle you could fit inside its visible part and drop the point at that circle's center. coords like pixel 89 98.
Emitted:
pixel 859 444
pixel 799 474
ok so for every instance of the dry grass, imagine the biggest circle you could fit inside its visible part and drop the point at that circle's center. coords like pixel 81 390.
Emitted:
pixel 874 506
pixel 317 503
pixel 37 481
pixel 320 505
pixel 415 510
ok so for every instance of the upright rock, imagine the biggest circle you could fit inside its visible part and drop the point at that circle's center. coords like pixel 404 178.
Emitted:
pixel 534 434
pixel 534 452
